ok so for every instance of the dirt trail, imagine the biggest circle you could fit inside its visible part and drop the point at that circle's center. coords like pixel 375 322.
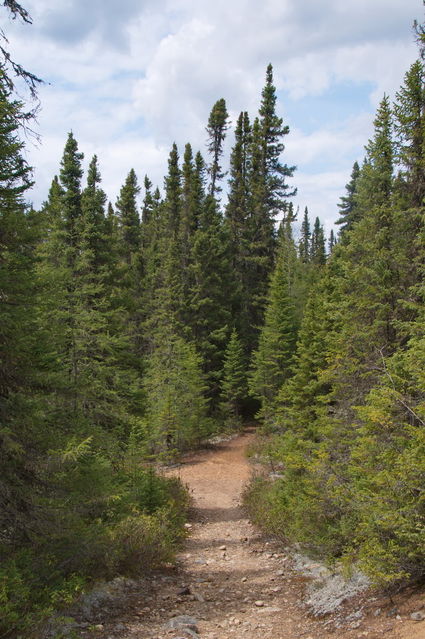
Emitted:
pixel 232 581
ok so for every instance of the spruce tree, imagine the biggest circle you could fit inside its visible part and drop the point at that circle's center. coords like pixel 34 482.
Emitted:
pixel 167 305
pixel 348 205
pixel 409 125
pixel 216 129
pixel 268 193
pixel 304 245
pixel 234 382
pixel 176 408
pixel 318 249
pixel 70 177
pixel 209 305
pixel 128 216
pixel 272 361
pixel 21 349
pixel 375 180
pixel 331 242
pixel 272 135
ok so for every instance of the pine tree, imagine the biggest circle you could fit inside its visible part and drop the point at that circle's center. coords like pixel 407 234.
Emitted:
pixel 193 198
pixel 318 250
pixel 175 395
pixel 21 349
pixel 347 206
pixel 216 129
pixel 130 265
pixel 209 306
pixel 234 381
pixel 268 193
pixel 272 361
pixel 167 305
pixel 58 267
pixel 331 242
pixel 375 180
pixel 272 134
pixel 236 221
pixel 300 398
pixel 304 246
pixel 70 177
pixel 128 216
pixel 409 125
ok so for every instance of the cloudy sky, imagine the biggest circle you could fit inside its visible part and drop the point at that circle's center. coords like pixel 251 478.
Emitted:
pixel 130 77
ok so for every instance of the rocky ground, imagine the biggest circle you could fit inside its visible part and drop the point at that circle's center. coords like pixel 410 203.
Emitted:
pixel 231 582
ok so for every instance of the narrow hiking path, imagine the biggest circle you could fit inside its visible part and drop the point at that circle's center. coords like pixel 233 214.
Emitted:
pixel 229 579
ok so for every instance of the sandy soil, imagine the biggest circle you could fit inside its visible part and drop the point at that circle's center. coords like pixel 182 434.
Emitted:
pixel 236 583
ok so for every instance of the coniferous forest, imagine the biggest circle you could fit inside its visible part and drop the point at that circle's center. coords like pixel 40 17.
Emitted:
pixel 133 330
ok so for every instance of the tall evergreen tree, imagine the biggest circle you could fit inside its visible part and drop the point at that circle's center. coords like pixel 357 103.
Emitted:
pixel 234 382
pixel 304 246
pixel 268 191
pixel 375 180
pixel 409 125
pixel 318 249
pixel 176 411
pixel 272 135
pixel 128 216
pixel 331 242
pixel 237 214
pixel 209 297
pixel 216 129
pixel 272 361
pixel 20 348
pixel 70 177
pixel 348 204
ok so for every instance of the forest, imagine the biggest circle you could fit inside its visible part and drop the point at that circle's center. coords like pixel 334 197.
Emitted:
pixel 132 331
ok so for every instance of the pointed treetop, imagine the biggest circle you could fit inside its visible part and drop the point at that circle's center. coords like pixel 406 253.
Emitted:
pixel 216 129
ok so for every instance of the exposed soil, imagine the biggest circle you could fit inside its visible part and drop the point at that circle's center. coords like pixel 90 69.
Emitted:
pixel 236 583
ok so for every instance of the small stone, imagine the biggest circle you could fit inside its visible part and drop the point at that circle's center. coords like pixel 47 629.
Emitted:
pixel 184 591
pixel 270 610
pixel 188 526
pixel 244 579
pixel 199 597
pixel 223 548
pixel 417 616
pixel 377 612
pixel 279 573
pixel 120 628
pixel 259 604
pixel 98 627
pixel 355 624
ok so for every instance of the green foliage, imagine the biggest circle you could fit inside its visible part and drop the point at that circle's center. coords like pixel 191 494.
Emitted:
pixel 117 353
pixel 350 447
pixel 216 129
pixel 100 522
pixel 348 203
pixel 234 382
pixel 272 361
pixel 176 412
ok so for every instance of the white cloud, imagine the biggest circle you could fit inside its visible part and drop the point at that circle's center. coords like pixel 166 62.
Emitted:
pixel 131 77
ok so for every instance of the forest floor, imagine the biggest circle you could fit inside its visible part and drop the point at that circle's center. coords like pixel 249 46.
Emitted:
pixel 230 581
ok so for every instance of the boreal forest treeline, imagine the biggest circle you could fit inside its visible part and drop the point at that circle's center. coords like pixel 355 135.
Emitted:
pixel 133 330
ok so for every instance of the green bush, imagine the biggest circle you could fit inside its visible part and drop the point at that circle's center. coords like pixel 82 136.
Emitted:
pixel 96 522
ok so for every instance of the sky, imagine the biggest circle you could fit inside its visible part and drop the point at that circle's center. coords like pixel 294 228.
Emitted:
pixel 130 77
